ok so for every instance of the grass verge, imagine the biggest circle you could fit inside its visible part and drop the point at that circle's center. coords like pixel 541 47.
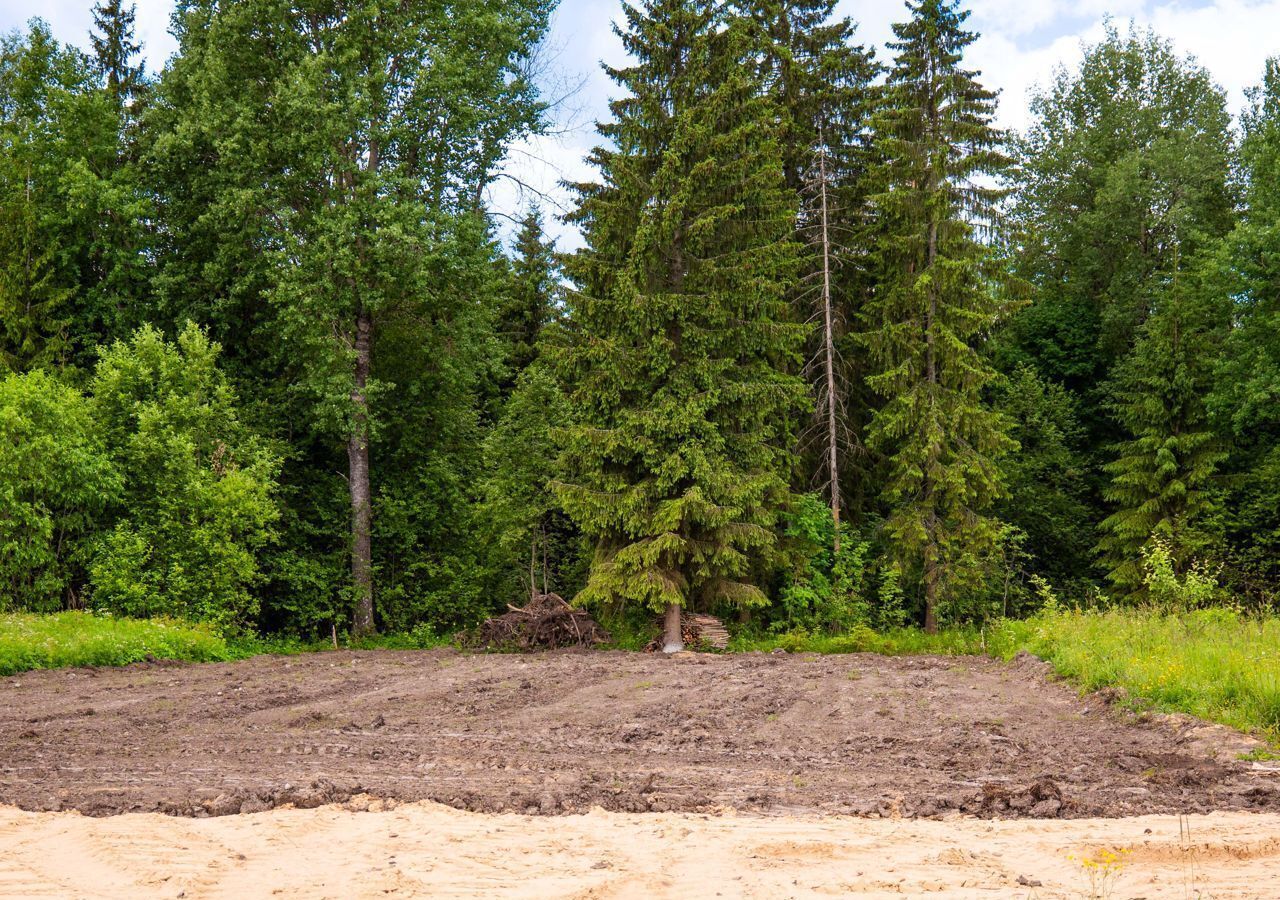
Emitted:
pixel 1215 664
pixel 860 639
pixel 30 641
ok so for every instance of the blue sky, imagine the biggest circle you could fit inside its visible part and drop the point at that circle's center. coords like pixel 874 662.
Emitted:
pixel 1022 41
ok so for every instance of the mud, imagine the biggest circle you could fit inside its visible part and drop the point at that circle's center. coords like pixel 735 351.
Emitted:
pixel 564 732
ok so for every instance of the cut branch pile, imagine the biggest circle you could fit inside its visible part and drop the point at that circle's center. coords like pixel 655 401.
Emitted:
pixel 546 623
pixel 697 630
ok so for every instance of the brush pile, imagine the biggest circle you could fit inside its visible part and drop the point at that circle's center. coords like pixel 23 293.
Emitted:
pixel 548 622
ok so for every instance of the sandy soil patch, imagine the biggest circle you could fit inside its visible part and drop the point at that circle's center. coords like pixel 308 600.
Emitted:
pixel 431 850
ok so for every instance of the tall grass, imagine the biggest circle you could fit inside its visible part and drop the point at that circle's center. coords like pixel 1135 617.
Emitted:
pixel 30 641
pixel 1214 663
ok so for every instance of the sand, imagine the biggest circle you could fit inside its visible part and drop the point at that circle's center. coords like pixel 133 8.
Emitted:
pixel 425 849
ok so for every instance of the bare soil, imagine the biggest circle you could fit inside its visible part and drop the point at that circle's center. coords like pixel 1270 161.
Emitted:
pixel 564 732
pixel 428 850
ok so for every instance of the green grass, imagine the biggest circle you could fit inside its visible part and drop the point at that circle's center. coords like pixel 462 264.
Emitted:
pixel 1215 664
pixel 29 641
pixel 894 642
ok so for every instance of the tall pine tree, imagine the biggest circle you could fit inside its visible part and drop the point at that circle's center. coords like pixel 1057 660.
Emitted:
pixel 682 337
pixel 936 300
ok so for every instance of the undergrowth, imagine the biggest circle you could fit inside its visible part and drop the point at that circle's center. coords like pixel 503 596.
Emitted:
pixel 31 641
pixel 861 639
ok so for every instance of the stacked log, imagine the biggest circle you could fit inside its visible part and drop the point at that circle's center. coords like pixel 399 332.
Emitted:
pixel 698 630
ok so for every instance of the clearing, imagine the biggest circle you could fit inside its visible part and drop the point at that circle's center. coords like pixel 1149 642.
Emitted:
pixel 913 737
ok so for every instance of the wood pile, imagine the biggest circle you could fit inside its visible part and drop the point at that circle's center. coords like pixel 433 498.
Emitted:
pixel 548 622
pixel 697 630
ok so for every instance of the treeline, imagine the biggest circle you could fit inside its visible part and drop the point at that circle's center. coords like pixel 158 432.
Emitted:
pixel 836 348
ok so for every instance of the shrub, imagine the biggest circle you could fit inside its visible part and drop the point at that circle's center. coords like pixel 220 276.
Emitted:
pixel 56 481
pixel 198 504
pixel 1196 587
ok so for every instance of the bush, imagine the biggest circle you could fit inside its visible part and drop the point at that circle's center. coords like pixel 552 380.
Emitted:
pixel 198 504
pixel 56 481
pixel 1196 587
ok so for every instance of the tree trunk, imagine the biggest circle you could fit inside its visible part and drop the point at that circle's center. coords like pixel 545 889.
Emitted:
pixel 931 601
pixel 533 564
pixel 546 580
pixel 672 636
pixel 358 480
pixel 828 340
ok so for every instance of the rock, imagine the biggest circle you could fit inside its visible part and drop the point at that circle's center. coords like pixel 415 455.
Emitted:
pixel 1047 809
pixel 253 805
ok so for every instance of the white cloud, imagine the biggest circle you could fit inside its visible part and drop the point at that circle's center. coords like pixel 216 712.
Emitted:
pixel 71 21
pixel 1021 43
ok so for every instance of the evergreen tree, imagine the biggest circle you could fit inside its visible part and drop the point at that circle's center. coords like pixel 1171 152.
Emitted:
pixel 682 339
pixel 1162 476
pixel 521 456
pixel 821 83
pixel 1048 499
pixel 40 83
pixel 532 301
pixel 936 300
pixel 115 49
pixel 33 303
pixel 1245 398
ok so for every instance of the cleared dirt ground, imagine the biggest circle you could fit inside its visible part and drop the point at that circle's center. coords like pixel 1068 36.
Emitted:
pixel 563 733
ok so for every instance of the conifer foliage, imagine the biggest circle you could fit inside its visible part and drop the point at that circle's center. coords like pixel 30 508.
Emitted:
pixel 683 345
pixel 116 49
pixel 936 300
pixel 820 80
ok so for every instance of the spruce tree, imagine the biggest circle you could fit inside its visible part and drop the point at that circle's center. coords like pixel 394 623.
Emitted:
pixel 521 454
pixel 531 302
pixel 1245 399
pixel 821 83
pixel 936 300
pixel 682 342
pixel 1162 476
pixel 33 304
pixel 115 49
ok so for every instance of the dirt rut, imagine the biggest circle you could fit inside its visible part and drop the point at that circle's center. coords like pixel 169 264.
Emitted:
pixel 929 737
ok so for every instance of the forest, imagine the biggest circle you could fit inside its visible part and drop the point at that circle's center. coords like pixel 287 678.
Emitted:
pixel 836 352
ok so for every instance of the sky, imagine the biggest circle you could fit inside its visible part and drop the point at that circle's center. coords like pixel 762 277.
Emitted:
pixel 1021 43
